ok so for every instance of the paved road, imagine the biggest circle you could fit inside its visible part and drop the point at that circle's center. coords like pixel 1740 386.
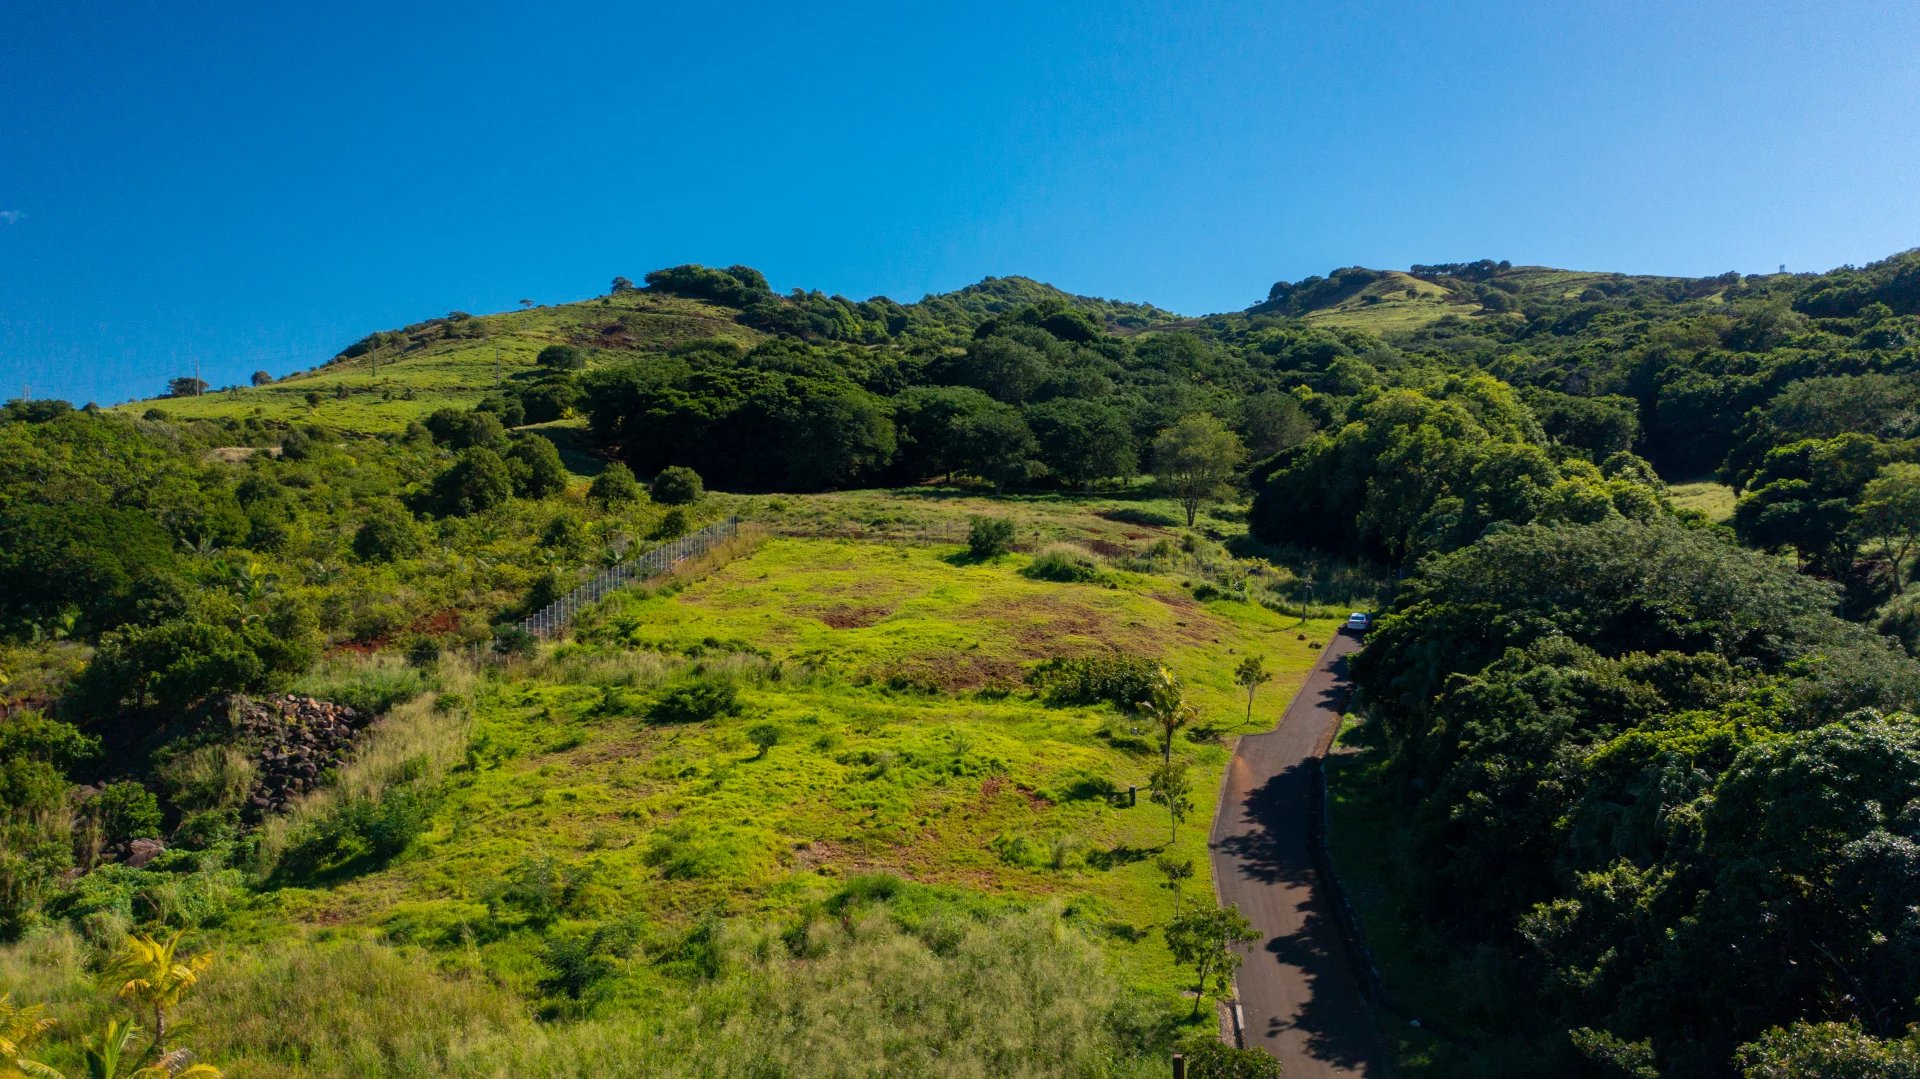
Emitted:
pixel 1301 999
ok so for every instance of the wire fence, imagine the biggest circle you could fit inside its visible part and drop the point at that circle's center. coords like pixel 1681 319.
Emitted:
pixel 554 616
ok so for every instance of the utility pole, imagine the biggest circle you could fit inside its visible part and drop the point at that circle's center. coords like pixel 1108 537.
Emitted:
pixel 196 376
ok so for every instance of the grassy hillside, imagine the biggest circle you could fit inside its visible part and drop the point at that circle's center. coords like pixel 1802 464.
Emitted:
pixel 391 378
pixel 404 374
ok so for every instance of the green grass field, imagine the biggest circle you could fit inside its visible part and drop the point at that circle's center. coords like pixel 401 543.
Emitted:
pixel 1710 498
pixel 906 745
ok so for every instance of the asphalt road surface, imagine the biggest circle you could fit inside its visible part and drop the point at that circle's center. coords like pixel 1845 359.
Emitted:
pixel 1301 1000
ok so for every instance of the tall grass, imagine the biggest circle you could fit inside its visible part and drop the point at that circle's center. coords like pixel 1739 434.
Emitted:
pixel 370 684
pixel 415 742
pixel 1022 994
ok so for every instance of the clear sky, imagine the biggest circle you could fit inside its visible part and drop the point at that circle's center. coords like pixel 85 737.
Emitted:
pixel 256 185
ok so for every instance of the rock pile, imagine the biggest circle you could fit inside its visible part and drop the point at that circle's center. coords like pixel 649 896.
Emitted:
pixel 300 738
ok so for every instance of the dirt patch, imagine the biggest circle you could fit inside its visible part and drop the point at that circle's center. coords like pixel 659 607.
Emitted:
pixel 1109 549
pixel 851 616
pixel 951 672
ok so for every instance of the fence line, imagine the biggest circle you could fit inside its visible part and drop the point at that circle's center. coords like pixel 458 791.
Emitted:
pixel 554 616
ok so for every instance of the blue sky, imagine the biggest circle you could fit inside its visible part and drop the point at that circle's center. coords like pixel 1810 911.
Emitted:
pixel 254 186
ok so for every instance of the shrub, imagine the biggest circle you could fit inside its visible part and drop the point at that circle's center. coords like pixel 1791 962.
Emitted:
pixel 387 533
pixel 1063 564
pixel 764 736
pixel 694 702
pixel 513 640
pixel 1118 679
pixel 615 484
pixel 479 480
pixel 677 486
pixel 124 811
pixel 561 358
pixel 989 536
pixel 1209 1058
pixel 356 834
pixel 673 524
pixel 537 471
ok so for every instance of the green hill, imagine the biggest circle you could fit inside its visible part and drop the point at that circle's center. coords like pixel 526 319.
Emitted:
pixel 390 378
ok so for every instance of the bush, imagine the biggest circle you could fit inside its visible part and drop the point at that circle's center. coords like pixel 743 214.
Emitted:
pixel 614 485
pixel 561 358
pixel 989 536
pixel 673 524
pixel 513 640
pixel 1063 564
pixel 125 811
pixel 537 471
pixel 357 834
pixel 1208 1058
pixel 479 480
pixel 372 685
pixel 1119 679
pixel 387 533
pixel 695 702
pixel 677 486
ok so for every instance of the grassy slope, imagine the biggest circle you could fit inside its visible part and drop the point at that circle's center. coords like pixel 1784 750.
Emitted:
pixel 441 371
pixel 899 752
pixel 1400 302
pixel 1708 497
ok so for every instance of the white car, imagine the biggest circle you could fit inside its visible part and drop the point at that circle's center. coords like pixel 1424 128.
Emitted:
pixel 1358 622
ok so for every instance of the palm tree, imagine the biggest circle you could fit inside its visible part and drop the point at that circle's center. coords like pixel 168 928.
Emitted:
pixel 19 1029
pixel 109 1052
pixel 1166 705
pixel 150 974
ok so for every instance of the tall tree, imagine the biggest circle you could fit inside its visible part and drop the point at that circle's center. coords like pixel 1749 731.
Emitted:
pixel 1194 460
pixel 1889 511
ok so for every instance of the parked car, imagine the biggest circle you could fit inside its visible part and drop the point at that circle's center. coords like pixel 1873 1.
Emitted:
pixel 1359 622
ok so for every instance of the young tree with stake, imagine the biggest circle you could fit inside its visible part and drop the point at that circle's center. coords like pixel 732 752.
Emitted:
pixel 1204 938
pixel 1250 675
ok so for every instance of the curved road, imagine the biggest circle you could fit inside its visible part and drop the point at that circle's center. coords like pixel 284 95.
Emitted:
pixel 1300 997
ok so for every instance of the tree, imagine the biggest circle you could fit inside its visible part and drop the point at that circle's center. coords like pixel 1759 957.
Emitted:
pixel 152 974
pixel 459 429
pixel 1169 785
pixel 1080 441
pixel 478 481
pixel 614 485
pixel 537 471
pixel 1167 708
pixel 677 485
pixel 561 358
pixel 1250 675
pixel 1274 421
pixel 387 533
pixel 764 736
pixel 997 446
pixel 262 378
pixel 1204 938
pixel 20 1027
pixel 1889 511
pixel 185 386
pixel 1194 460
pixel 622 284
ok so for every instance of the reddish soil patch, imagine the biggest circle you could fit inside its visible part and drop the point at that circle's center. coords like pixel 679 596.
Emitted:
pixel 1109 549
pixel 1035 800
pixel 951 672
pixel 438 624
pixel 991 785
pixel 851 616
